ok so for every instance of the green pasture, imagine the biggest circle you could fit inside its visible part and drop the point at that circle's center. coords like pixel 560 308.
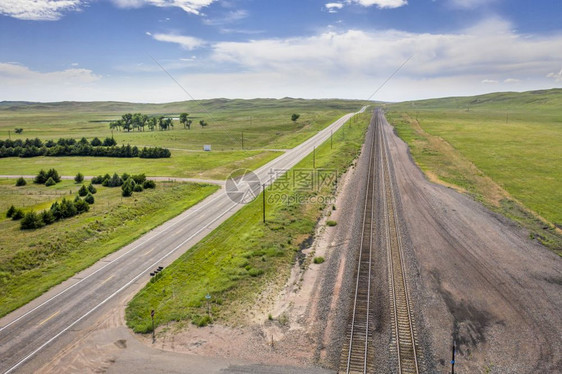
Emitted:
pixel 514 139
pixel 32 261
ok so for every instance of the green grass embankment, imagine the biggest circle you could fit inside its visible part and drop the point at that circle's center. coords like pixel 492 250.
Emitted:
pixel 243 256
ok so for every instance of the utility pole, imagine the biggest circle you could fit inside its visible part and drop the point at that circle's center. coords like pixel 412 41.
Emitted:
pixel 153 333
pixel 263 194
pixel 453 360
pixel 314 158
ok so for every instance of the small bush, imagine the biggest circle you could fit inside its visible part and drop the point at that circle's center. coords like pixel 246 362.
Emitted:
pixel 41 177
pixel 18 214
pixel 137 188
pixel 47 217
pixel 92 189
pixel 255 272
pixel 318 260
pixel 89 199
pixel 97 180
pixel 149 184
pixel 81 206
pixel 331 223
pixel 31 220
pixel 83 191
pixel 79 178
pixel 50 182
pixel 10 212
pixel 52 173
pixel 20 182
pixel 127 190
pixel 270 317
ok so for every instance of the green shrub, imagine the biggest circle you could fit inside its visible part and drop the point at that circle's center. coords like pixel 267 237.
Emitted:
pixel 81 206
pixel 255 272
pixel 18 214
pixel 89 199
pixel 20 182
pixel 50 182
pixel 139 178
pixel 83 191
pixel 331 223
pixel 92 189
pixel 52 173
pixel 31 220
pixel 41 177
pixel 97 180
pixel 47 217
pixel 318 260
pixel 79 178
pixel 10 212
pixel 149 184
pixel 137 188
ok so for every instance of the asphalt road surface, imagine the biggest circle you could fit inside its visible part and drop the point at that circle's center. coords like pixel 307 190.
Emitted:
pixel 47 322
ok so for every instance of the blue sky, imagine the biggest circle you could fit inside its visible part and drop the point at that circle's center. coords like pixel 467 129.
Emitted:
pixel 52 50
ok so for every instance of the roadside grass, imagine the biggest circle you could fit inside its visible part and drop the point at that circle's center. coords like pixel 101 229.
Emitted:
pixel 33 261
pixel 504 150
pixel 243 256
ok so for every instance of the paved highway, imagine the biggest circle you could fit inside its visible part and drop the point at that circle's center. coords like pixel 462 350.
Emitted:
pixel 47 320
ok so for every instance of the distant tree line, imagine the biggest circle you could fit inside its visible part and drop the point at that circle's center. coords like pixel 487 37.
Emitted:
pixel 138 121
pixel 71 147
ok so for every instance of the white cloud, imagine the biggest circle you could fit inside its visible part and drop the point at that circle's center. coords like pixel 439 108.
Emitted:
pixel 189 6
pixel 556 76
pixel 511 80
pixel 38 10
pixel 489 52
pixel 380 3
pixel 230 17
pixel 186 42
pixel 333 7
pixel 12 72
pixel 470 4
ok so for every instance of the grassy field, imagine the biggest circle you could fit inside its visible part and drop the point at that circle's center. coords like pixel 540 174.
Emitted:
pixel 504 149
pixel 243 256
pixel 260 124
pixel 32 261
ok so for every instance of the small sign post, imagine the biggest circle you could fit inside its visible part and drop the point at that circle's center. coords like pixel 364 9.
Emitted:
pixel 153 334
pixel 208 298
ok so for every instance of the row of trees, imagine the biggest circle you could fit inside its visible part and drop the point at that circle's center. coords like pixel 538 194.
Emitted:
pixel 27 143
pixel 137 121
pixel 128 183
pixel 81 149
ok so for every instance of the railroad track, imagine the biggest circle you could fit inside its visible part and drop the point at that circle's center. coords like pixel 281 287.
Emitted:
pixel 358 349
pixel 404 337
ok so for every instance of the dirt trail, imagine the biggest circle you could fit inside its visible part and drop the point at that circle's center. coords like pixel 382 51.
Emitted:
pixel 478 279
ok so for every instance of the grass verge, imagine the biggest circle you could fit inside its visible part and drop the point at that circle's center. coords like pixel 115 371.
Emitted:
pixel 504 166
pixel 243 256
pixel 33 261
